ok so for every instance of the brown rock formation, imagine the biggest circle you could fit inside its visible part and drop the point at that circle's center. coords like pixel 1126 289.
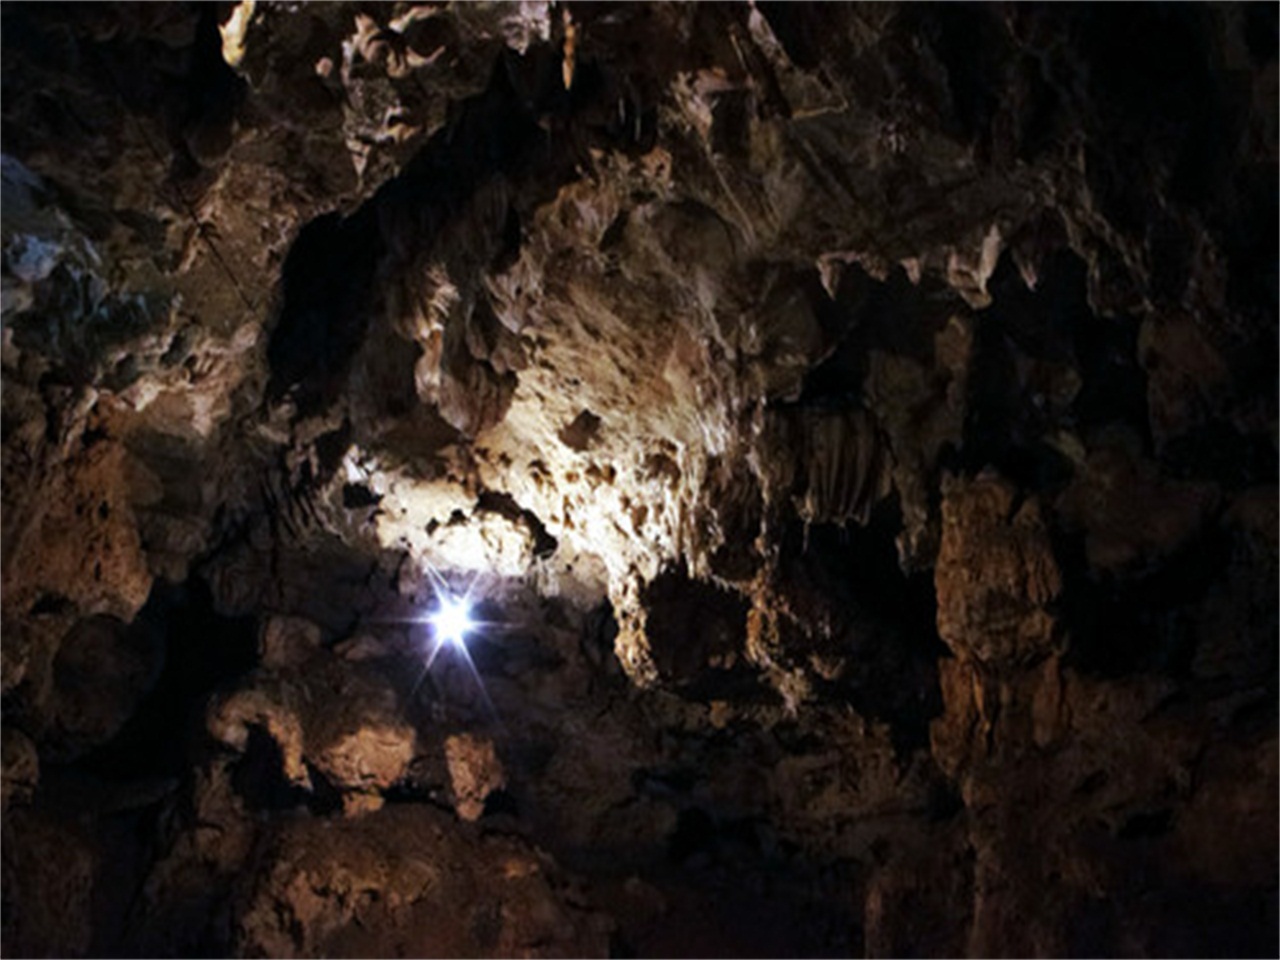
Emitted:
pixel 853 428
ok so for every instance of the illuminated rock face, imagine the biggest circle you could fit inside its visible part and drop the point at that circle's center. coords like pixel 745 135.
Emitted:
pixel 853 425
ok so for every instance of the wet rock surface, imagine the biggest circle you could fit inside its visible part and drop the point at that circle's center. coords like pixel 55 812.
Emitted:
pixel 853 427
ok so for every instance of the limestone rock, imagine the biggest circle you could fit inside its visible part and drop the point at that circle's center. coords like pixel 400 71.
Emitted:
pixel 475 771
pixel 920 906
pixel 1131 518
pixel 21 768
pixel 79 540
pixel 403 882
pixel 853 425
pixel 101 672
pixel 49 876
pixel 996 575
pixel 231 720
pixel 288 642
pixel 344 725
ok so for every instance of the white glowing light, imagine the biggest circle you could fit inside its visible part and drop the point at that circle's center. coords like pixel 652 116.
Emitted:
pixel 452 620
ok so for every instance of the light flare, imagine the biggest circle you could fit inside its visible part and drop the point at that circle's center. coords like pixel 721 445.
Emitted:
pixel 452 621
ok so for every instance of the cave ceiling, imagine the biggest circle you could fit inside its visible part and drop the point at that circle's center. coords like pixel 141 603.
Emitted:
pixel 853 425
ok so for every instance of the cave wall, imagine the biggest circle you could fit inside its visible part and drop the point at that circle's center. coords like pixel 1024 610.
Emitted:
pixel 856 425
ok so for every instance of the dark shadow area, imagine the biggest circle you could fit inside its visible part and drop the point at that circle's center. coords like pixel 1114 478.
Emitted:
pixel 1188 118
pixel 884 622
pixel 203 651
pixel 694 834
pixel 1029 347
pixel 1218 451
pixel 693 626
pixel 1142 625
pixel 202 128
pixel 523 128
pixel 326 287
pixel 1206 920
pixel 894 316
pixel 258 776
pixel 972 47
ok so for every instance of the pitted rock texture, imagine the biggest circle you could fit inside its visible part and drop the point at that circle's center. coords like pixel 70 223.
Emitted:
pixel 996 577
pixel 854 425
pixel 408 882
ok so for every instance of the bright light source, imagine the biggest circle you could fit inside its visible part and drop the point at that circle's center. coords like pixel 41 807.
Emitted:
pixel 451 620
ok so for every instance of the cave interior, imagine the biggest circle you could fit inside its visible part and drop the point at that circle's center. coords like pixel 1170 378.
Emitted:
pixel 639 479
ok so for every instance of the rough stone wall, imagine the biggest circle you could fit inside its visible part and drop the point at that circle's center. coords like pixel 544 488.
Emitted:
pixel 856 424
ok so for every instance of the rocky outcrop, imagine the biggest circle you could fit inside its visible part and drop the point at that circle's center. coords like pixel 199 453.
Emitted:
pixel 407 882
pixel 996 576
pixel 323 715
pixel 475 771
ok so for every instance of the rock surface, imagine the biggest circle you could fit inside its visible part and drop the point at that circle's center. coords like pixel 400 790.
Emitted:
pixel 408 882
pixel 853 426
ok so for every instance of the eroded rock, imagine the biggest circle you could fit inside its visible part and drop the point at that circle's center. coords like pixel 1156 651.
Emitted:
pixel 405 882
pixel 1132 519
pixel 21 768
pixel 475 771
pixel 996 575
pixel 102 671
pixel 49 877
pixel 322 715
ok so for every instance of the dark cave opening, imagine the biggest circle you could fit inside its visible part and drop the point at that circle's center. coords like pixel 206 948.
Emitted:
pixel 203 651
pixel 259 775
pixel 1140 625
pixel 884 620
pixel 1017 398
pixel 326 283
pixel 329 275
pixel 523 130
pixel 693 625
pixel 202 132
